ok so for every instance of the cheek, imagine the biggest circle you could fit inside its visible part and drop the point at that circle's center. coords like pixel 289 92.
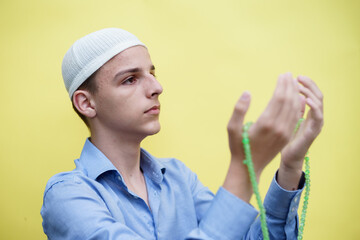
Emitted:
pixel 122 107
pixel 118 108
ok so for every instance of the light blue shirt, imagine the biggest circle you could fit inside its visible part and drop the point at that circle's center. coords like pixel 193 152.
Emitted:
pixel 93 202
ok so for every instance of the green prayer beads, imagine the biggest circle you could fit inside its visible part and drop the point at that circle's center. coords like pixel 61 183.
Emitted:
pixel 306 198
pixel 248 162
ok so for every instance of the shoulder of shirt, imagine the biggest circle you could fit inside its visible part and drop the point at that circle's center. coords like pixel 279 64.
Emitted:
pixel 70 177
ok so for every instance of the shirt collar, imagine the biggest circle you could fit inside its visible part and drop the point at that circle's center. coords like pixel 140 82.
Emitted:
pixel 151 166
pixel 94 163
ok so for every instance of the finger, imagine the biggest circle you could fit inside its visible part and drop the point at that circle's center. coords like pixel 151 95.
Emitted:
pixel 290 85
pixel 276 102
pixel 295 108
pixel 316 110
pixel 240 110
pixel 307 82
pixel 281 85
pixel 291 108
pixel 292 101
pixel 309 94
pixel 300 115
pixel 302 106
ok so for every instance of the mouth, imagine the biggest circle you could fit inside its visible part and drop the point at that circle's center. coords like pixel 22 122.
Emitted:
pixel 153 110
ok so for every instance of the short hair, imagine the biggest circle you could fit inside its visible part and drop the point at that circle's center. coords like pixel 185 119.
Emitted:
pixel 88 85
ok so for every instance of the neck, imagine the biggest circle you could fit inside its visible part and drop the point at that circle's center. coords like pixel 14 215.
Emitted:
pixel 122 151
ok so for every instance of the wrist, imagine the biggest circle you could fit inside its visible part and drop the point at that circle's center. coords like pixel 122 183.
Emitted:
pixel 237 180
pixel 238 162
pixel 238 168
pixel 289 177
pixel 290 165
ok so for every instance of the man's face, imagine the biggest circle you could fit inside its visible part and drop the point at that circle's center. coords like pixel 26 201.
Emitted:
pixel 126 100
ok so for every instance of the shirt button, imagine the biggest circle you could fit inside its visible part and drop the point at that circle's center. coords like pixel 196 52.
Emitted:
pixel 293 209
pixel 296 199
pixel 119 178
pixel 155 193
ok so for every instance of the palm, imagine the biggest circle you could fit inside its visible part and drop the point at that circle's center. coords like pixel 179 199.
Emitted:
pixel 296 149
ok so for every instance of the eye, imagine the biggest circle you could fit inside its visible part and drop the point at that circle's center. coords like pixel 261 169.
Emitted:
pixel 129 81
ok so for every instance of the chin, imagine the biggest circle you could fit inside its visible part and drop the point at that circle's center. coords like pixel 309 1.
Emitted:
pixel 155 130
pixel 150 128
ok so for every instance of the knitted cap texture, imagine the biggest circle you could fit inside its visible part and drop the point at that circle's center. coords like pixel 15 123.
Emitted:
pixel 89 53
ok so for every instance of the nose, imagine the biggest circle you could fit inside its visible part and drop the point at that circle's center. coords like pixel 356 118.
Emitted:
pixel 153 87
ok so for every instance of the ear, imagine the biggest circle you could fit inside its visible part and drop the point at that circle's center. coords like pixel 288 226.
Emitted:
pixel 83 101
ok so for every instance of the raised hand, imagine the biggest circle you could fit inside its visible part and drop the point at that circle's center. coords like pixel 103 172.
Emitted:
pixel 274 128
pixel 268 135
pixel 292 155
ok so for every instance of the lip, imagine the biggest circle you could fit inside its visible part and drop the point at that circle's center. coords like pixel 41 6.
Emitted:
pixel 153 110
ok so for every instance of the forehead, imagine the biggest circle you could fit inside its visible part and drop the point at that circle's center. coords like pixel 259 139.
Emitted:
pixel 137 56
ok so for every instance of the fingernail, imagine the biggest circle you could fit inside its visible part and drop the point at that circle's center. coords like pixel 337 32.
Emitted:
pixel 245 95
pixel 288 74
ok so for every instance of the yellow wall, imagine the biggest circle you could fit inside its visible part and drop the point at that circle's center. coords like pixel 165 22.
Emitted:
pixel 206 53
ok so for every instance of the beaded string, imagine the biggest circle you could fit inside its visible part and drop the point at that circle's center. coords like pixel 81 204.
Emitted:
pixel 248 162
pixel 307 190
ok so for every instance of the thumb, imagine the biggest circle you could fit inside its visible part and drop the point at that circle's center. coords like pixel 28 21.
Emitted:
pixel 240 109
pixel 236 123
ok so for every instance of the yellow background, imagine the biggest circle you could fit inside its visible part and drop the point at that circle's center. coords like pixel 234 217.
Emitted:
pixel 206 54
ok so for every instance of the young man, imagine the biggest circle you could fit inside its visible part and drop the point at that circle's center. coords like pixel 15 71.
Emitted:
pixel 119 191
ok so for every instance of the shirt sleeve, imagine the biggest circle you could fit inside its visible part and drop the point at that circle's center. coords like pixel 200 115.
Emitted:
pixel 220 216
pixel 281 208
pixel 228 217
pixel 72 211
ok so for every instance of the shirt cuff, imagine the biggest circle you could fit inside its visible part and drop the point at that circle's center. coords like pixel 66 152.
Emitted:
pixel 282 203
pixel 228 216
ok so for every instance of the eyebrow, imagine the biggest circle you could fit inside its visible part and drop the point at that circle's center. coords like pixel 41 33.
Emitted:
pixel 131 70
